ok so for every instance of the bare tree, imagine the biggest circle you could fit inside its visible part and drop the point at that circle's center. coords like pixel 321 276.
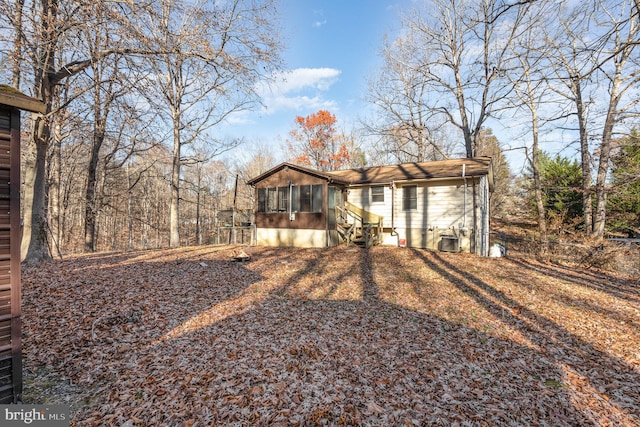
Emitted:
pixel 529 75
pixel 13 11
pixel 462 51
pixel 621 74
pixel 573 64
pixel 216 52
pixel 57 186
pixel 260 161
pixel 52 55
pixel 407 126
pixel 107 85
pixel 45 44
pixel 599 76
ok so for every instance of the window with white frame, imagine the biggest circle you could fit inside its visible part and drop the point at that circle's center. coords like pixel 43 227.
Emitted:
pixel 410 197
pixel 377 194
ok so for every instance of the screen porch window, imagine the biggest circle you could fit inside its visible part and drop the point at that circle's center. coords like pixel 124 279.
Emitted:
pixel 316 198
pixel 283 199
pixel 272 200
pixel 310 198
pixel 262 200
pixel 303 198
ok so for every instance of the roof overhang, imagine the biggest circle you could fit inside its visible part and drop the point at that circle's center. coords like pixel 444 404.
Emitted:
pixel 442 170
pixel 413 181
pixel 23 102
pixel 417 172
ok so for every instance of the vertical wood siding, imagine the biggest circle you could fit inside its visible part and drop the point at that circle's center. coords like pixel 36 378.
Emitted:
pixel 10 340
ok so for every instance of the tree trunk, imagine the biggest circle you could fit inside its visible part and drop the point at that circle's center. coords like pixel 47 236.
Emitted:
pixel 90 192
pixel 605 155
pixel 35 224
pixel 601 178
pixel 17 45
pixel 198 220
pixel 54 192
pixel 537 183
pixel 35 220
pixel 466 130
pixel 174 217
pixel 129 208
pixel 29 166
pixel 585 158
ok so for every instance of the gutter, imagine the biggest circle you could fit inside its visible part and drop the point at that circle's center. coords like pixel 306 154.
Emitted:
pixel 412 181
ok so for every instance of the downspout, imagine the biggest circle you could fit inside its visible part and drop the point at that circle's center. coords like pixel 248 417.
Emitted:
pixel 463 230
pixel 290 199
pixel 464 202
pixel 393 209
pixel 254 231
pixel 325 209
pixel 475 219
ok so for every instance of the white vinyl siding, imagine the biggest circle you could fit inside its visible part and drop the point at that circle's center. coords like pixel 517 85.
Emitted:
pixel 361 197
pixel 440 210
pixel 442 207
pixel 438 205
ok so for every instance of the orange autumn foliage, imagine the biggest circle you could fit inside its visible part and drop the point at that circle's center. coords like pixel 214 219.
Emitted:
pixel 314 142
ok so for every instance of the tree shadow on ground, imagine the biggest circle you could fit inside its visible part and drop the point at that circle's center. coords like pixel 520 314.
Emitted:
pixel 584 296
pixel 281 347
pixel 624 289
pixel 609 378
pixel 303 361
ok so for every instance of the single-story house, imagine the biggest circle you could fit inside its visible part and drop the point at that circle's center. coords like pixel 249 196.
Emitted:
pixel 440 205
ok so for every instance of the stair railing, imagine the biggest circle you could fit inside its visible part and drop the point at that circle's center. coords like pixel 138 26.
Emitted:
pixel 363 220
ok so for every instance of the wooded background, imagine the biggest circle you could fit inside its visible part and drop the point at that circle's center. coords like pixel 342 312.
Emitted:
pixel 127 155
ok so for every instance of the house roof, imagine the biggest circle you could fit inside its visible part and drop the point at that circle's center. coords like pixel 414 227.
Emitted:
pixel 402 172
pixel 324 175
pixel 415 171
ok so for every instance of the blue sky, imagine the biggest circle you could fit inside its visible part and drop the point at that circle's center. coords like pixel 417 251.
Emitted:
pixel 331 48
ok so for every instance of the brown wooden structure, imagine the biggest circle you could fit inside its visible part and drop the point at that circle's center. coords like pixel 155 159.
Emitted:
pixel 296 206
pixel 10 322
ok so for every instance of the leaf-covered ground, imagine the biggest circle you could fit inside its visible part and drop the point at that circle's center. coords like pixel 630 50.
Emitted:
pixel 339 336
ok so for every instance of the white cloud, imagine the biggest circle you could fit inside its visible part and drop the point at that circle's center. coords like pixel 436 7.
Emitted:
pixel 321 20
pixel 299 102
pixel 301 78
pixel 297 89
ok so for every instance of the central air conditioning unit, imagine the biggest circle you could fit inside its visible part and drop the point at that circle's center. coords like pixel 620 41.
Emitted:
pixel 449 244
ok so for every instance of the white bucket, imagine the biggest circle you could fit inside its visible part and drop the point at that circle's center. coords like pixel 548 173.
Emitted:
pixel 496 251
